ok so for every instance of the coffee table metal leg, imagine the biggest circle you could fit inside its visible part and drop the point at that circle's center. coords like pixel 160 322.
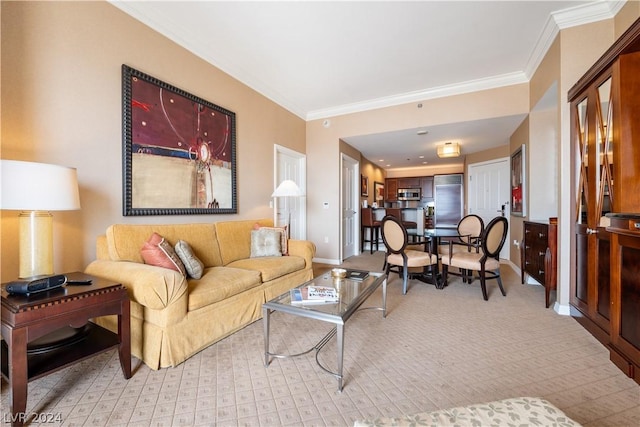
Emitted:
pixel 265 322
pixel 340 342
pixel 384 298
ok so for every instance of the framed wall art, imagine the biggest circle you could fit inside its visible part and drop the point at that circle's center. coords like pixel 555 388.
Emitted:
pixel 364 186
pixel 378 193
pixel 518 182
pixel 179 151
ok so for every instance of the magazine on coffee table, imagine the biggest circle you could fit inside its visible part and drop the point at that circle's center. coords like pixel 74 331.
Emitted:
pixel 313 294
pixel 356 274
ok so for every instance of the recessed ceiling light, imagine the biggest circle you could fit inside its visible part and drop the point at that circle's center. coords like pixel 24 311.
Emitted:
pixel 381 160
pixel 422 132
pixel 421 157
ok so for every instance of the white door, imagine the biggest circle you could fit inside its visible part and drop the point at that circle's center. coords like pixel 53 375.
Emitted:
pixel 488 193
pixel 350 224
pixel 291 165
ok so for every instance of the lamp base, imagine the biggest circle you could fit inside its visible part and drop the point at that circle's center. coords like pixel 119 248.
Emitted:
pixel 36 244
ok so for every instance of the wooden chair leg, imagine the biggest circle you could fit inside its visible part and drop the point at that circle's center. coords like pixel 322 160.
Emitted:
pixel 405 274
pixel 483 284
pixel 499 279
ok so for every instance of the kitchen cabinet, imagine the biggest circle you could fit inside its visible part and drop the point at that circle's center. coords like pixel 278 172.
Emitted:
pixel 409 182
pixel 391 189
pixel 605 105
pixel 539 254
pixel 426 183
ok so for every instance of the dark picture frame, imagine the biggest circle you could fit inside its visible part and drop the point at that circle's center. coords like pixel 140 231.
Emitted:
pixel 364 186
pixel 378 193
pixel 518 182
pixel 179 150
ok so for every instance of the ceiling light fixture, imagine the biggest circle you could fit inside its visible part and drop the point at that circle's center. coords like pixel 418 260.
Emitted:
pixel 422 132
pixel 449 149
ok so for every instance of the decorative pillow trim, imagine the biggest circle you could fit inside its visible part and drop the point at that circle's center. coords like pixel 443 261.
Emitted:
pixel 157 251
pixel 192 263
pixel 284 240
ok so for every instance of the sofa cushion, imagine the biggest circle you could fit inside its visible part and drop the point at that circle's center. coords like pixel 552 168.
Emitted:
pixel 271 267
pixel 192 263
pixel 157 251
pixel 219 283
pixel 266 242
pixel 234 238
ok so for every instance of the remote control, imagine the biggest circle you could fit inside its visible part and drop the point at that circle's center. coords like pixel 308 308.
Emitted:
pixel 78 282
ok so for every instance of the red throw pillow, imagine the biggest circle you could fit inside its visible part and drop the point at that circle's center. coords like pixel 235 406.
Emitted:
pixel 157 251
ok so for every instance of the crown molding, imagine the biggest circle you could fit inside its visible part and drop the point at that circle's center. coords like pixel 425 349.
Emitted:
pixel 422 95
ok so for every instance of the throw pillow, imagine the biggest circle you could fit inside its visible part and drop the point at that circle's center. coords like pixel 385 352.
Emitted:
pixel 157 251
pixel 265 242
pixel 284 237
pixel 192 264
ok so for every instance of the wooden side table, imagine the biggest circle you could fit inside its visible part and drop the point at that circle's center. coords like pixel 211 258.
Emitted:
pixel 48 331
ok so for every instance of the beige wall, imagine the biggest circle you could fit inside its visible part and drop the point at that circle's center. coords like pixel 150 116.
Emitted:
pixel 61 104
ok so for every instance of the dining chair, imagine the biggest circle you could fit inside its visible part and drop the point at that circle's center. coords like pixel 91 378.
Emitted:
pixel 486 261
pixel 368 222
pixel 408 263
pixel 470 229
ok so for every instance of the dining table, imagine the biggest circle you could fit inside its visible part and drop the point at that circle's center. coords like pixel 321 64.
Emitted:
pixel 434 238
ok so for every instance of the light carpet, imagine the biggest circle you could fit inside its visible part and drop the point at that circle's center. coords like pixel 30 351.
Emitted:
pixel 436 349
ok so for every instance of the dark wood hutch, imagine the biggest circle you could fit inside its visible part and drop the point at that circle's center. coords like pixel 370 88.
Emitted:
pixel 605 134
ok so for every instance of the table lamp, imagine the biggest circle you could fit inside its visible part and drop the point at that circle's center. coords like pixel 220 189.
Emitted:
pixel 287 188
pixel 35 189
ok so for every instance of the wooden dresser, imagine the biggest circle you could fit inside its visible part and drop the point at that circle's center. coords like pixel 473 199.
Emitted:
pixel 539 254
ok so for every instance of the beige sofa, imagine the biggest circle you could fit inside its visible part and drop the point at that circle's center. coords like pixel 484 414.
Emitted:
pixel 174 317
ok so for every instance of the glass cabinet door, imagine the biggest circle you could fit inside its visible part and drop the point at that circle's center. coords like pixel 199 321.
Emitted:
pixel 593 132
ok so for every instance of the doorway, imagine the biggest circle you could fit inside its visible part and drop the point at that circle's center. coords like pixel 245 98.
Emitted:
pixel 290 164
pixel 489 194
pixel 349 201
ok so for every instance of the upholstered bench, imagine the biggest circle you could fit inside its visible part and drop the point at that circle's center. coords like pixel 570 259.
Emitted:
pixel 517 411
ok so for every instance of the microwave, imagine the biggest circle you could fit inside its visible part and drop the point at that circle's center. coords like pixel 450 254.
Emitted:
pixel 408 194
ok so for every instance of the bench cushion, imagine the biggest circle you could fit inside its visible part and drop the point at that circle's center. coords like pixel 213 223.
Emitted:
pixel 509 412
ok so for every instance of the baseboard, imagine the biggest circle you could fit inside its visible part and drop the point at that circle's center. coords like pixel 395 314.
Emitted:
pixel 562 309
pixel 326 261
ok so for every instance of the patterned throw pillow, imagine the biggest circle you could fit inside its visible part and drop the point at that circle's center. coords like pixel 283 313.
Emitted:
pixel 265 242
pixel 157 251
pixel 192 263
pixel 284 237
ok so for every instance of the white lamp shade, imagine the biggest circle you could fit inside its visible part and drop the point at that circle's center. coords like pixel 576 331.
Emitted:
pixel 287 188
pixel 450 149
pixel 29 186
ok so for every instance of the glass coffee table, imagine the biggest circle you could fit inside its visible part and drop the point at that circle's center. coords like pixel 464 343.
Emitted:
pixel 352 294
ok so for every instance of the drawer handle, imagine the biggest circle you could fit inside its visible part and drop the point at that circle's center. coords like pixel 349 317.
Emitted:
pixel 541 253
pixel 541 235
pixel 636 225
pixel 541 272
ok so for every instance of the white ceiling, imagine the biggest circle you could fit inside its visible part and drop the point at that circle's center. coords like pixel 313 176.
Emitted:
pixel 325 58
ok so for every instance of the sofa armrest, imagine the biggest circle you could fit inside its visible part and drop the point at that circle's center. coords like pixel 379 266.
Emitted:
pixel 150 286
pixel 303 248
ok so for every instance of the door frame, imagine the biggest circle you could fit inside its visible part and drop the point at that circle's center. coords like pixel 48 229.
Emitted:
pixel 355 187
pixel 300 179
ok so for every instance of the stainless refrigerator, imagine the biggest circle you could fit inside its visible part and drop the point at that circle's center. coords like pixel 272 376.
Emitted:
pixel 448 200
